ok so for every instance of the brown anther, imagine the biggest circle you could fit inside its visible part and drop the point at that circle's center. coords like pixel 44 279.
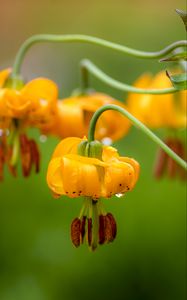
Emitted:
pixel 3 147
pixel 171 164
pixel 113 223
pixel 75 232
pixel 181 152
pixel 160 163
pixel 110 228
pixel 82 229
pixel 26 158
pixel 2 161
pixel 35 155
pixel 89 231
pixel 101 229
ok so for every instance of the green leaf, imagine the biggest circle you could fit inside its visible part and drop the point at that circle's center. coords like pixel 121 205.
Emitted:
pixel 179 81
pixel 183 16
pixel 175 57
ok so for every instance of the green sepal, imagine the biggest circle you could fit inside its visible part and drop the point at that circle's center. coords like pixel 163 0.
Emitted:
pixel 82 148
pixel 96 149
pixel 183 16
pixel 175 57
pixel 92 149
pixel 179 81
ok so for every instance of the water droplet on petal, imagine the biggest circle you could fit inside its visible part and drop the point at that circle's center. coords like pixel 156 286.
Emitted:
pixel 107 141
pixel 119 195
pixel 43 138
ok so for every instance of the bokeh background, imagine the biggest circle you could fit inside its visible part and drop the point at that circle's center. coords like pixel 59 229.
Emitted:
pixel 37 259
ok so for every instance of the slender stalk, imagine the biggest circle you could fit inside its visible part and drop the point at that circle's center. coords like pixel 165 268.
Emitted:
pixel 91 40
pixel 139 125
pixel 94 70
pixel 84 77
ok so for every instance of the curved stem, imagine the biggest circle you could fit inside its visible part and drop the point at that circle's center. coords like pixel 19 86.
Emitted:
pixel 91 40
pixel 139 125
pixel 94 70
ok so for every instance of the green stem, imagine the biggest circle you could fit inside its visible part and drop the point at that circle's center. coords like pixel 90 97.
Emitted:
pixel 139 125
pixel 84 78
pixel 94 70
pixel 91 40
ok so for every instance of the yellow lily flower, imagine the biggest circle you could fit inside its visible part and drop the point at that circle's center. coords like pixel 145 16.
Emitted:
pixel 91 177
pixel 34 100
pixel 23 105
pixel 102 173
pixel 162 111
pixel 158 111
pixel 74 114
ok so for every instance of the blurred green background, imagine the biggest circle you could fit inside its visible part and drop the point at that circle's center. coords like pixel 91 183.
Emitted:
pixel 37 259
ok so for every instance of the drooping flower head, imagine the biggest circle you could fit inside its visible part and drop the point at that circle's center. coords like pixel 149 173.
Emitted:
pixel 162 111
pixel 79 168
pixel 73 116
pixel 158 111
pixel 22 105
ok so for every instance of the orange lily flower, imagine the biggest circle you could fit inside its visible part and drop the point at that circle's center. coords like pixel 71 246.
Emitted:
pixel 23 105
pixel 161 111
pixel 90 176
pixel 74 175
pixel 158 111
pixel 74 114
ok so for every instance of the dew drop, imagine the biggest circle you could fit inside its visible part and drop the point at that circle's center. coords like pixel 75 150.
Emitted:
pixel 119 195
pixel 43 138
pixel 107 141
